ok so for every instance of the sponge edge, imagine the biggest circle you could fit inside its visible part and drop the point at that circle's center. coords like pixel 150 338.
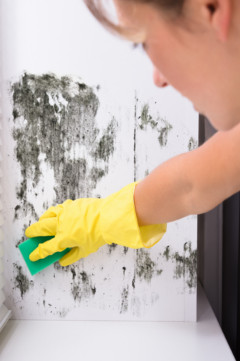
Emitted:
pixel 27 247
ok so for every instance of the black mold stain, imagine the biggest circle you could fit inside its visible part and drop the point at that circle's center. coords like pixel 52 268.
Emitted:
pixel 23 238
pixel 166 253
pixel 185 264
pixel 73 273
pixel 146 118
pixel 21 281
pixel 63 313
pixel 82 287
pixel 124 271
pixel 133 281
pixel 145 268
pixel 163 130
pixel 111 247
pixel 93 290
pixel 105 146
pixel 124 299
pixel 55 118
pixel 125 250
pixel 192 144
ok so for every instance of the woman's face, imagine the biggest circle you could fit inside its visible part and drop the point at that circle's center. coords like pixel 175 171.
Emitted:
pixel 198 54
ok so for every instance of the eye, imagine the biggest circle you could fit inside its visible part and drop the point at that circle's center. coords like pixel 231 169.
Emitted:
pixel 138 46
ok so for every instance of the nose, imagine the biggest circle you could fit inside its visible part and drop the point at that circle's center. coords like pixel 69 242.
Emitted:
pixel 159 79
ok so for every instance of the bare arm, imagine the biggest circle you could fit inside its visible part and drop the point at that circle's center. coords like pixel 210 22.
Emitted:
pixel 191 183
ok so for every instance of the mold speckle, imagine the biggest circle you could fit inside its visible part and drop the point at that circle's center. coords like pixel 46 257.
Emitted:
pixel 125 250
pixel 124 299
pixel 192 144
pixel 145 267
pixel 133 281
pixel 162 126
pixel 63 312
pixel 105 146
pixel 111 247
pixel 73 273
pixel 21 281
pixel 124 270
pixel 185 264
pixel 82 287
pixel 166 253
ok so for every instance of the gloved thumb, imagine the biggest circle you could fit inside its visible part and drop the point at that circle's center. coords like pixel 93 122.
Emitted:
pixel 46 249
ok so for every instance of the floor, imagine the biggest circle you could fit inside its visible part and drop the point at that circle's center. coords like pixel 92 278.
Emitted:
pixel 104 340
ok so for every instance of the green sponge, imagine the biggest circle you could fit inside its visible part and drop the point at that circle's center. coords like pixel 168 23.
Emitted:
pixel 30 245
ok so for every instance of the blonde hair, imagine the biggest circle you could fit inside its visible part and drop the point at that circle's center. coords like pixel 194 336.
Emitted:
pixel 101 13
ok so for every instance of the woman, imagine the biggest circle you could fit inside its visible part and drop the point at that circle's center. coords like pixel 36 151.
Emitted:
pixel 194 46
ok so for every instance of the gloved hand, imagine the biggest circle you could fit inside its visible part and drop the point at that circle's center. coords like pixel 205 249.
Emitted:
pixel 88 223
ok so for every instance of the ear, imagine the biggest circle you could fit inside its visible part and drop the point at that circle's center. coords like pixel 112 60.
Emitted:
pixel 218 13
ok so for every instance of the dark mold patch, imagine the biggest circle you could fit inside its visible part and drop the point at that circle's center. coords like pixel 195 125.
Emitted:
pixel 160 124
pixel 82 287
pixel 73 273
pixel 192 144
pixel 124 300
pixel 21 281
pixel 145 268
pixel 133 281
pixel 146 118
pixel 185 264
pixel 55 123
pixel 166 253
pixel 105 146
pixel 111 247
pixel 125 250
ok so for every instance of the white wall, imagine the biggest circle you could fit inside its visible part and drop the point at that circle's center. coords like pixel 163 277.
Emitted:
pixel 62 38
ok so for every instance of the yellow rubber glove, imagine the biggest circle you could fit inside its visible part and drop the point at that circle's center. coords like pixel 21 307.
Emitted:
pixel 88 223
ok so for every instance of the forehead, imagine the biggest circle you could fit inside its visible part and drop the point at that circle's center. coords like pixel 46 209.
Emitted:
pixel 134 17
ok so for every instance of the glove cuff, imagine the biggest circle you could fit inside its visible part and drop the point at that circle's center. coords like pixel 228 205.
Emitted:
pixel 119 224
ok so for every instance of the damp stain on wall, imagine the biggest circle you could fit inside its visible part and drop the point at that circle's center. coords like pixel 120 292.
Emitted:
pixel 21 281
pixel 185 264
pixel 54 122
pixel 124 299
pixel 82 286
pixel 162 126
pixel 145 267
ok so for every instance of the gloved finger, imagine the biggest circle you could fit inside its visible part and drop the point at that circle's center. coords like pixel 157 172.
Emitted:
pixel 72 256
pixel 54 211
pixel 46 249
pixel 45 227
pixel 51 212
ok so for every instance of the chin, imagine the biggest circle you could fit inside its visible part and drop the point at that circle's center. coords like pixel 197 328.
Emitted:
pixel 222 125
